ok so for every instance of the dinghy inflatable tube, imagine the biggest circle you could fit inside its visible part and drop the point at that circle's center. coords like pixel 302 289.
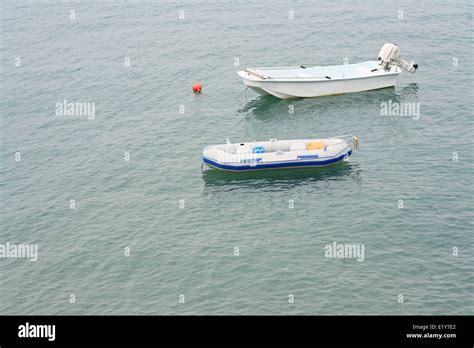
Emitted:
pixel 275 154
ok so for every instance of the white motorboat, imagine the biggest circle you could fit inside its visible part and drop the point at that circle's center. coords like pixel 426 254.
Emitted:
pixel 301 81
pixel 278 154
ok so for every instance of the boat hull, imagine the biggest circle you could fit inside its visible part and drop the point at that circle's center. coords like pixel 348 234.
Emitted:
pixel 276 165
pixel 319 81
pixel 310 89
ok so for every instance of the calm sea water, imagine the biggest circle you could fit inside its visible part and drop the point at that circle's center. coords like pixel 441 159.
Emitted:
pixel 182 225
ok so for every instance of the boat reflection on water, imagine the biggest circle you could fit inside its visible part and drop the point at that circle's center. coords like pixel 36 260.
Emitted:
pixel 268 107
pixel 409 91
pixel 281 178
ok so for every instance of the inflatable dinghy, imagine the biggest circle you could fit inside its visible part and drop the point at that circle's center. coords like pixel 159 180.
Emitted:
pixel 278 154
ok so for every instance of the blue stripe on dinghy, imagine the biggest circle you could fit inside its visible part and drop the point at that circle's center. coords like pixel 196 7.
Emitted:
pixel 275 165
pixel 308 157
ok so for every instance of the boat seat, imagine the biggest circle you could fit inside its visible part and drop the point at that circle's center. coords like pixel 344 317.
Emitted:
pixel 315 145
pixel 297 146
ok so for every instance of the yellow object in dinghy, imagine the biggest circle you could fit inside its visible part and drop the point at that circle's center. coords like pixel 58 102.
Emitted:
pixel 315 145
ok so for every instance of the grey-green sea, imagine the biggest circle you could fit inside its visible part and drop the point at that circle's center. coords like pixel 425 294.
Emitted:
pixel 126 222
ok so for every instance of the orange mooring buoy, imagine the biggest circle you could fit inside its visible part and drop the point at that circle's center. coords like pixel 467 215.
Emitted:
pixel 197 88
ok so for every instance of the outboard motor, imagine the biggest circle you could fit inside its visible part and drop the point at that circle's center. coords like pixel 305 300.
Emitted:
pixel 390 56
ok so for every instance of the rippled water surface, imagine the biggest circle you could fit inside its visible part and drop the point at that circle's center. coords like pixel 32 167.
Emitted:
pixel 190 250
